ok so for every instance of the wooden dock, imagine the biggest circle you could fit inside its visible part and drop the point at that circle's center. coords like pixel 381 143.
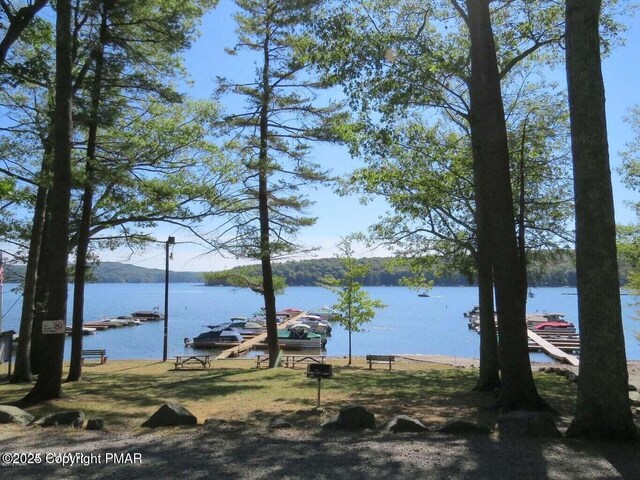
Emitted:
pixel 252 342
pixel 552 350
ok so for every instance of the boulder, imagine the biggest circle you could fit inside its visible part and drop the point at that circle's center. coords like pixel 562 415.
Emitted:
pixel 71 417
pixel 352 417
pixel 95 424
pixel 9 414
pixel 523 423
pixel 462 427
pixel 404 423
pixel 171 415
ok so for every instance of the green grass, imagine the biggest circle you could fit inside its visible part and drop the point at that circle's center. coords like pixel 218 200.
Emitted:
pixel 125 393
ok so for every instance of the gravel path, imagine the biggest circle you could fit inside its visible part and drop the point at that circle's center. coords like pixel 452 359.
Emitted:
pixel 238 451
pixel 235 452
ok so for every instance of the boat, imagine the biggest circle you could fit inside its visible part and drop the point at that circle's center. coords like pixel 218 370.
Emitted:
pixel 424 294
pixel 218 336
pixel 85 330
pixel 288 313
pixel 325 313
pixel 144 315
pixel 323 327
pixel 246 328
pixel 475 311
pixel 300 336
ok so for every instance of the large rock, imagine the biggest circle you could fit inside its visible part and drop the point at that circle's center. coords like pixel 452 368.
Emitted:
pixel 352 417
pixel 9 414
pixel 95 424
pixel 522 423
pixel 71 417
pixel 462 427
pixel 404 423
pixel 171 415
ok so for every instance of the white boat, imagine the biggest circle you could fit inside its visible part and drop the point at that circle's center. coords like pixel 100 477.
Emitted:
pixel 325 313
pixel 317 324
pixel 85 330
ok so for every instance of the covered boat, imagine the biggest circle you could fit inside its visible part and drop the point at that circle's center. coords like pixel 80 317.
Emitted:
pixel 300 336
pixel 218 336
pixel 145 315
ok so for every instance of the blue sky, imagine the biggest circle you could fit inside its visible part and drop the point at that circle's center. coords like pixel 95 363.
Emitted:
pixel 338 216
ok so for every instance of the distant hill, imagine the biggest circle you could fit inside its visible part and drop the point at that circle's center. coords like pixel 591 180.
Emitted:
pixel 113 272
pixel 560 272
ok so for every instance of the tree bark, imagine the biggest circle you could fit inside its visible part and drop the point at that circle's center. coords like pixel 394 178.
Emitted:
pixel 489 371
pixel 263 206
pixel 49 383
pixel 22 372
pixel 602 410
pixel 84 233
pixel 491 158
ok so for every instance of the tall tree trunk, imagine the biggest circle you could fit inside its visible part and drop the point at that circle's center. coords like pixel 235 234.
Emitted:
pixel 489 371
pixel 22 372
pixel 41 297
pixel 491 154
pixel 84 233
pixel 263 206
pixel 602 409
pixel 49 383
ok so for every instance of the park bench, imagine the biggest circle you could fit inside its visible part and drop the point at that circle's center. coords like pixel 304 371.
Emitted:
pixel 203 361
pixel 98 353
pixel 385 359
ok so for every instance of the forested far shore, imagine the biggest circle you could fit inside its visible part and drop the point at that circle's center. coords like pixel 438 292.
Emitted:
pixel 383 272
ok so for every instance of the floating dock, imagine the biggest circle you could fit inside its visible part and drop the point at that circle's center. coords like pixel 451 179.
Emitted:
pixel 559 343
pixel 554 351
pixel 252 342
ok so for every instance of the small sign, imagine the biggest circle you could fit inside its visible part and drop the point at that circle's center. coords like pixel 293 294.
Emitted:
pixel 319 370
pixel 52 327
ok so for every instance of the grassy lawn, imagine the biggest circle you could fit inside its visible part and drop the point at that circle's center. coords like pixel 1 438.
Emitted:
pixel 126 393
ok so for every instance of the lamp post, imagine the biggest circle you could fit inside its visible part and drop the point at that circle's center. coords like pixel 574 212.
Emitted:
pixel 170 241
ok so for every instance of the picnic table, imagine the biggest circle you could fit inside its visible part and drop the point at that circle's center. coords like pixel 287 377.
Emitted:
pixel 203 361
pixel 290 360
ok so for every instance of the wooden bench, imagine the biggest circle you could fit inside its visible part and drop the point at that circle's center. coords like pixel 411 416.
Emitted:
pixel 292 360
pixel 386 359
pixel 203 361
pixel 100 353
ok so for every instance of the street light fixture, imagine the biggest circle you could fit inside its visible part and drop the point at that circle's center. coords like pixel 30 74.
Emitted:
pixel 170 241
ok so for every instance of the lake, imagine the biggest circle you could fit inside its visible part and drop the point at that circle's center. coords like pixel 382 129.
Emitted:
pixel 410 324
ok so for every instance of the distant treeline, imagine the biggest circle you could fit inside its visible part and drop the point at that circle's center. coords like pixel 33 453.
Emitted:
pixel 559 272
